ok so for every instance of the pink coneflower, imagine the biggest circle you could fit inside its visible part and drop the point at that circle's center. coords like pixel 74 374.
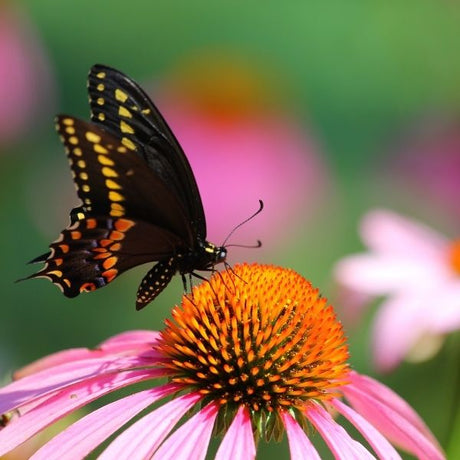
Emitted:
pixel 419 272
pixel 25 76
pixel 252 353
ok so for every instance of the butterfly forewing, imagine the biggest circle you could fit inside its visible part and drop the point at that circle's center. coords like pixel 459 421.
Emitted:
pixel 124 109
pixel 111 180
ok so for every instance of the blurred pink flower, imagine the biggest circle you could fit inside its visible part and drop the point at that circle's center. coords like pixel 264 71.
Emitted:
pixel 25 77
pixel 232 356
pixel 243 146
pixel 428 161
pixel 418 270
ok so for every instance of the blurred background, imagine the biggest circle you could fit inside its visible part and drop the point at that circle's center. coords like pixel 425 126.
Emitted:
pixel 322 110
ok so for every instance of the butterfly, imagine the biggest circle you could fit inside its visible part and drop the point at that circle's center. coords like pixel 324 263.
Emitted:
pixel 140 200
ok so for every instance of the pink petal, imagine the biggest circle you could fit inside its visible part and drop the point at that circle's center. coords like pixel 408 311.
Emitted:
pixel 398 325
pixel 446 318
pixel 338 440
pixel 392 416
pixel 49 380
pixel 191 440
pixel 300 445
pixel 86 434
pixel 387 232
pixel 64 402
pixel 380 445
pixel 377 274
pixel 143 438
pixel 238 442
pixel 61 357
pixel 127 341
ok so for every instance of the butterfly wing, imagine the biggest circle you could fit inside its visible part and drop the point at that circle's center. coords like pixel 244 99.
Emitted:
pixel 93 251
pixel 113 181
pixel 124 109
pixel 128 216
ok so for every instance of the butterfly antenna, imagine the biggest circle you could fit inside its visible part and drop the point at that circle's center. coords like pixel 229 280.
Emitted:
pixel 259 244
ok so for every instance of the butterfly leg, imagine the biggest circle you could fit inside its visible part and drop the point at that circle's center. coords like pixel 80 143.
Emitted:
pixel 154 282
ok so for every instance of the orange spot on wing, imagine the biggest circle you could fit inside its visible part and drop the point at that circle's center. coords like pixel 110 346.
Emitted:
pixel 58 262
pixel 115 247
pixel 116 236
pixel 109 275
pixel 91 223
pixel 64 248
pixel 102 255
pixel 123 225
pixel 87 287
pixel 105 242
pixel 110 262
pixel 75 235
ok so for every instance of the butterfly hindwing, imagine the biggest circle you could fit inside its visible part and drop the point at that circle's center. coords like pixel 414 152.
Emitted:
pixel 124 109
pixel 91 252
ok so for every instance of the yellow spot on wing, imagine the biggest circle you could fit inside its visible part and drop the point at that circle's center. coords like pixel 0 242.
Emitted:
pixel 68 121
pixel 128 143
pixel 70 130
pixel 92 137
pixel 73 140
pixel 100 75
pixel 100 101
pixel 116 212
pixel 83 176
pixel 100 87
pixel 101 116
pixel 115 196
pixel 124 112
pixel 109 172
pixel 85 188
pixel 120 95
pixel 77 151
pixel 146 111
pixel 121 149
pixel 125 128
pixel 112 184
pixel 105 160
pixel 99 149
pixel 81 164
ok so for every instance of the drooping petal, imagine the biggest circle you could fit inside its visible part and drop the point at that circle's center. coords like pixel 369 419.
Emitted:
pixel 238 442
pixel 144 437
pixel 62 403
pixel 387 232
pixel 191 440
pixel 300 445
pixel 84 436
pixel 392 416
pixel 125 342
pixel 49 380
pixel 378 442
pixel 339 441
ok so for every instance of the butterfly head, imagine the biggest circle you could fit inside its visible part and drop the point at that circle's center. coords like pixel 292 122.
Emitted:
pixel 215 254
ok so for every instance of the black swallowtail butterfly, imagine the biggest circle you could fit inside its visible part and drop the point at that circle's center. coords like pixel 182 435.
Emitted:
pixel 140 200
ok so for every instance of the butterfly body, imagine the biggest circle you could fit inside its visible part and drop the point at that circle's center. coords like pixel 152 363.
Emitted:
pixel 140 201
